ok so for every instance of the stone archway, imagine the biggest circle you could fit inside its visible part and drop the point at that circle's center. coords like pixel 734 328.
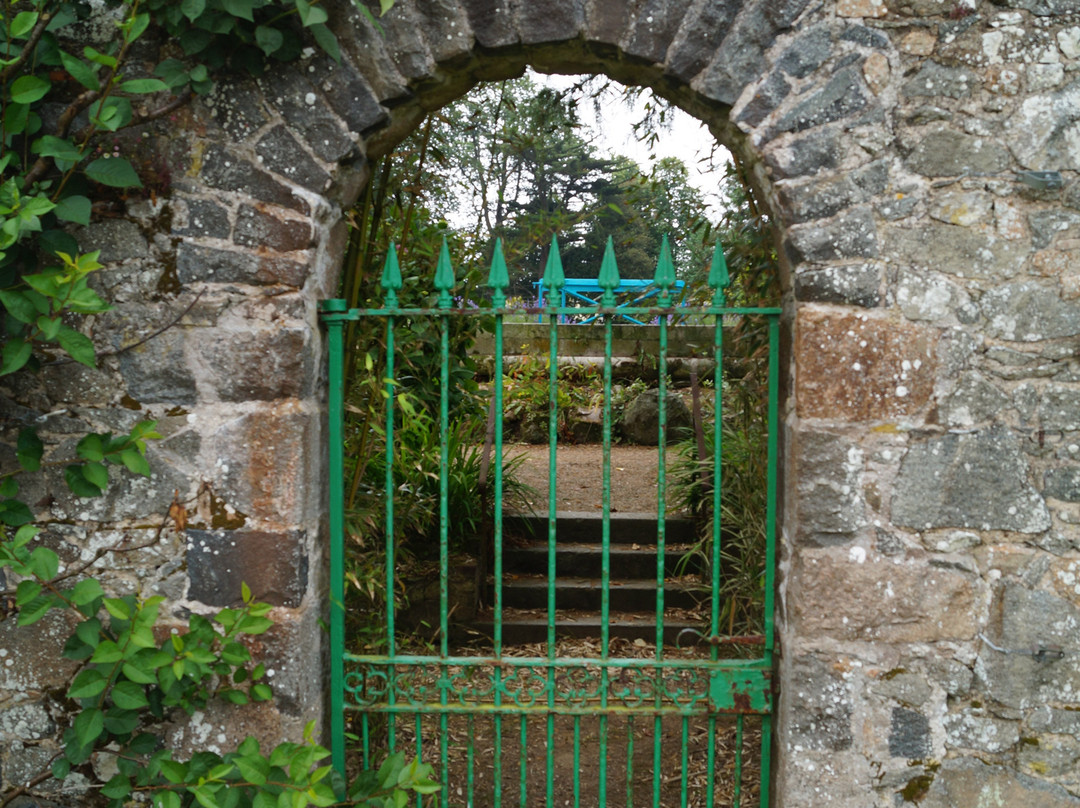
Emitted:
pixel 933 393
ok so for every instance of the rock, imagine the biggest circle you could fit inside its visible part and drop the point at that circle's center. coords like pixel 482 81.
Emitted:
pixel 934 79
pixel 807 155
pixel 971 729
pixel 852 234
pixel 851 284
pixel 640 424
pixel 829 506
pixel 855 367
pixel 964 208
pixel 849 596
pixel 273 565
pixel 840 98
pixel 910 689
pixel 767 98
pixel 197 263
pixel 1063 484
pixel 964 782
pixel 909 734
pixel 258 228
pixel 948 153
pixel 1041 133
pixel 157 370
pixel 807 53
pixel 1029 311
pixel 974 401
pixel 867 37
pixel 1047 225
pixel 922 296
pixel 820 708
pixel 307 111
pixel 226 170
pixel 279 152
pixel 117 239
pixel 977 480
pixel 962 251
pixel 818 199
pixel 200 218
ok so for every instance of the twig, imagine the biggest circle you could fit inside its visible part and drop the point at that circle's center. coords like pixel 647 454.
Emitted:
pixel 144 340
pixel 28 48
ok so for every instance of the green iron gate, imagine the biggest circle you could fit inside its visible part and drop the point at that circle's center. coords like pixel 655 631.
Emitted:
pixel 501 728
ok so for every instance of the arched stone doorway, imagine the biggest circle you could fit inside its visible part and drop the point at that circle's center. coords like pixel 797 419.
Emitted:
pixel 931 376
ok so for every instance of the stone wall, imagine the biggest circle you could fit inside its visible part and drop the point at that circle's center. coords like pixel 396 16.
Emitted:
pixel 932 426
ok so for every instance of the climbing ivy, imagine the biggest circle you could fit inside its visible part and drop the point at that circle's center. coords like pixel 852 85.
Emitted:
pixel 71 90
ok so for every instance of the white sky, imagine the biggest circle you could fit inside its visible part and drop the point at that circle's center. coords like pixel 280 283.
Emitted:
pixel 688 139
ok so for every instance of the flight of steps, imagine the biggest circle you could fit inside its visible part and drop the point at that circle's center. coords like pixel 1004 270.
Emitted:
pixel 578 560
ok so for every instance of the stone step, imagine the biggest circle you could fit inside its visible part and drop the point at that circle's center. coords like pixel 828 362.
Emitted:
pixel 583 526
pixel 585 560
pixel 531 592
pixel 521 628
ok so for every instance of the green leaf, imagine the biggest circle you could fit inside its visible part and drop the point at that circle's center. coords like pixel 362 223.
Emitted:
pixel 107 652
pixel 309 14
pixel 86 591
pixel 73 208
pixel 78 346
pixel 49 327
pixel 91 448
pixel 9 487
pixel 18 305
pixel 129 696
pixel 135 462
pixel 35 610
pixel 142 86
pixel 26 591
pixel 385 6
pixel 240 8
pixel 268 39
pixel 95 55
pixel 61 767
pixel 15 354
pixel 89 726
pixel 193 9
pixel 78 484
pixel 118 608
pixel 138 25
pixel 261 692
pixel 23 24
pixel 14 513
pixel 88 684
pixel 254 768
pixel 28 89
pixel 116 172
pixel 174 771
pixel 16 118
pixel 96 474
pixel 80 71
pixel 173 73
pixel 44 563
pixel 29 450
pixel 135 672
pixel 167 799
pixel 50 146
pixel 327 41
pixel 117 788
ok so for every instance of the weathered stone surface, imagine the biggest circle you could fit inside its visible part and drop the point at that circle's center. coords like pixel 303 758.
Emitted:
pixel 259 455
pixel 840 98
pixel 1059 408
pixel 910 601
pixel 743 53
pixel 307 113
pixel 818 199
pixel 196 263
pixel 492 22
pixel 934 79
pixel 876 72
pixel 550 20
pixel 852 284
pixel 974 401
pixel 237 107
pixel 405 41
pixel 157 370
pixel 1042 132
pixel 259 228
pixel 445 24
pixel 803 156
pixel 261 365
pixel 1029 311
pixel 910 689
pixel 1047 225
pixel 226 170
pixel 281 153
pixel 642 419
pixel 653 30
pixel 947 153
pixel 976 730
pixel 961 251
pixel 273 565
pixel 820 706
pixel 117 239
pixel 852 234
pixel 808 52
pixel 861 8
pixel 867 37
pixel 978 480
pixel 967 782
pixel 855 367
pixel 1063 484
pixel 922 296
pixel 1029 619
pixel 349 95
pixel 691 50
pixel 829 506
pixel 964 208
pixel 31 663
pixel 909 734
pixel 200 218
pixel 767 98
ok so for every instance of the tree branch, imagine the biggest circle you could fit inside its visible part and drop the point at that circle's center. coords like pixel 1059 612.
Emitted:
pixel 28 48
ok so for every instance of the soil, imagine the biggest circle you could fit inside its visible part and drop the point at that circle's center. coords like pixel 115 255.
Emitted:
pixel 579 481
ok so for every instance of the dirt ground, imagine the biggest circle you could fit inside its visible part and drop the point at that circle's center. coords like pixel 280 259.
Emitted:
pixel 579 476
